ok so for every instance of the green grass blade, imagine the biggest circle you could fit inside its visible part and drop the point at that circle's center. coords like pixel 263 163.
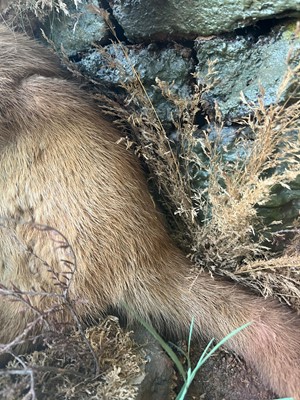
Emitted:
pixel 224 340
pixel 190 335
pixel 205 355
pixel 165 346
pixel 205 350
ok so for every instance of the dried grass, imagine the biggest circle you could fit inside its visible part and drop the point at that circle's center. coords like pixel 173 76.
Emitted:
pixel 42 7
pixel 64 370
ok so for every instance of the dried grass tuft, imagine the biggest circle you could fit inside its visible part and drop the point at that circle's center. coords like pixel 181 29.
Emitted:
pixel 64 370
pixel 43 7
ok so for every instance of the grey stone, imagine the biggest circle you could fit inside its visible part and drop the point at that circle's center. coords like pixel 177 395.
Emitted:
pixel 175 19
pixel 172 64
pixel 159 381
pixel 245 65
pixel 77 31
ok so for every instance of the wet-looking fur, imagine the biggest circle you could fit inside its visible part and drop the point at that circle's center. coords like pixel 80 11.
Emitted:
pixel 61 166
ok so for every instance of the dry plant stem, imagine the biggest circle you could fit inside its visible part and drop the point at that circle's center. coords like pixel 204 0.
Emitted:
pixel 34 369
pixel 63 297
pixel 79 326
pixel 21 338
pixel 30 395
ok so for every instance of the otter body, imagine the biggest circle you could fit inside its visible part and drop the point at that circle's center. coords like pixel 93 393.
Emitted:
pixel 61 166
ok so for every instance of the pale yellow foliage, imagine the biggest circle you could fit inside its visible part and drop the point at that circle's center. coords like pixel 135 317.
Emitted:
pixel 65 369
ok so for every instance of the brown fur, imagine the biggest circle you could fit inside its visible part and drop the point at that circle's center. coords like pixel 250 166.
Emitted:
pixel 60 165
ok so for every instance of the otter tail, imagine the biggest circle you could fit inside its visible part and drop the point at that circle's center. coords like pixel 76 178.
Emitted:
pixel 271 343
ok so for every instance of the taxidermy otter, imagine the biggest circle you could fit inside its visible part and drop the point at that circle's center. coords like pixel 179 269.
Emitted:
pixel 61 166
